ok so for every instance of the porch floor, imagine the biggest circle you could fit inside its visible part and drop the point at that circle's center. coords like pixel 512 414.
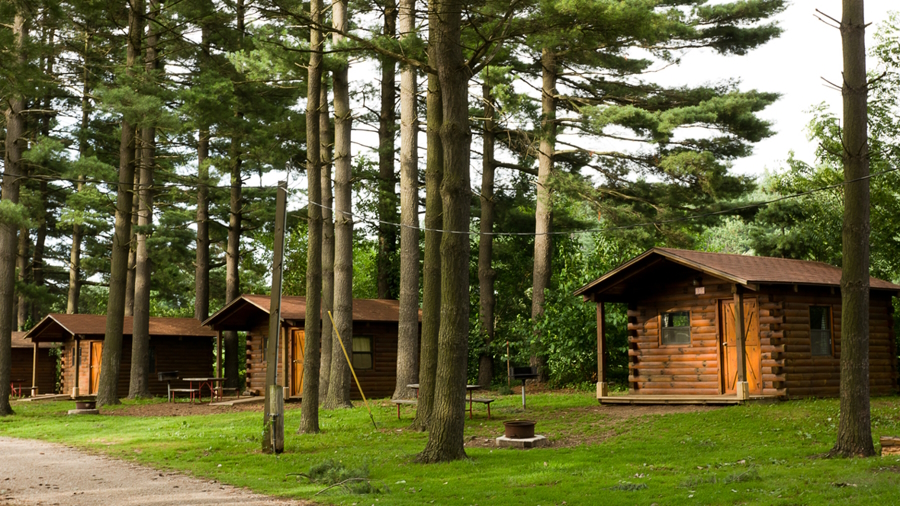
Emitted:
pixel 682 399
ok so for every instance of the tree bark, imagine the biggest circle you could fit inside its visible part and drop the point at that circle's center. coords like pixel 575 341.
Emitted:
pixel 431 267
pixel 854 437
pixel 408 332
pixel 37 264
pixel 327 245
pixel 22 276
pixel 201 269
pixel 132 241
pixel 543 216
pixel 107 393
pixel 339 385
pixel 75 253
pixel 309 416
pixel 139 387
pixel 9 191
pixel 233 249
pixel 445 439
pixel 387 193
pixel 486 274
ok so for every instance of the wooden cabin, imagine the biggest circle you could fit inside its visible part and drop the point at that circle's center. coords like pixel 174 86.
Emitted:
pixel 712 327
pixel 26 377
pixel 176 344
pixel 374 353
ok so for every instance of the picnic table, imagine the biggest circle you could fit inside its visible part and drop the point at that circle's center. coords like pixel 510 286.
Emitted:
pixel 469 388
pixel 214 384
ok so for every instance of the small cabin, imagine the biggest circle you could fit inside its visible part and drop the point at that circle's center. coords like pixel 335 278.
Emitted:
pixel 713 327
pixel 27 378
pixel 374 353
pixel 176 344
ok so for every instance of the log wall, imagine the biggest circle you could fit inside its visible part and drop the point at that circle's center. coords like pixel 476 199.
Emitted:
pixel 379 381
pixel 787 365
pixel 22 364
pixel 190 356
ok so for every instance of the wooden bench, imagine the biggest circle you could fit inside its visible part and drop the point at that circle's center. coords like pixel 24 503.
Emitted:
pixel 189 391
pixel 399 402
pixel 237 391
pixel 486 402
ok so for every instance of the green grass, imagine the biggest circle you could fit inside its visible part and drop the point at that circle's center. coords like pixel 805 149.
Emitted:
pixel 757 454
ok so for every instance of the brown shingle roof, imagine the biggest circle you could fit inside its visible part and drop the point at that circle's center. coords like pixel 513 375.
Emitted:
pixel 745 269
pixel 18 341
pixel 66 325
pixel 294 308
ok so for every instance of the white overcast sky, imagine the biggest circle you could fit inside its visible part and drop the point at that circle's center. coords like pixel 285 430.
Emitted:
pixel 793 65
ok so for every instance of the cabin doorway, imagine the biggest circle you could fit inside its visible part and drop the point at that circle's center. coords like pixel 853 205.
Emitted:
pixel 751 347
pixel 96 356
pixel 298 344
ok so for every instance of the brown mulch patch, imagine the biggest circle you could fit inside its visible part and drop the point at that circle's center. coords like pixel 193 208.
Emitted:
pixel 605 421
pixel 182 408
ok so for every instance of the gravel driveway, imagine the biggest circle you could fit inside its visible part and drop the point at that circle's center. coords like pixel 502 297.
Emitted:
pixel 35 472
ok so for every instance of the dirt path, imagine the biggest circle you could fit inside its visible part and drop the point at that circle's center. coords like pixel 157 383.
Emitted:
pixel 34 472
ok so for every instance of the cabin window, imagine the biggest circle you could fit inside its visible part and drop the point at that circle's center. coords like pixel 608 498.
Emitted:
pixel 675 328
pixel 362 352
pixel 820 330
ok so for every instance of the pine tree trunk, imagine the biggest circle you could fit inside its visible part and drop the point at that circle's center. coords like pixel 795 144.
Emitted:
pixel 854 437
pixel 387 196
pixel 327 245
pixel 233 249
pixel 132 242
pixel 37 265
pixel 309 416
pixel 139 387
pixel 75 253
pixel 486 274
pixel 340 383
pixel 201 269
pixel 22 275
pixel 431 267
pixel 543 216
pixel 408 332
pixel 107 392
pixel 445 439
pixel 9 191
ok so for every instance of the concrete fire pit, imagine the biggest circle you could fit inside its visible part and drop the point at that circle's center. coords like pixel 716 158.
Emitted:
pixel 520 434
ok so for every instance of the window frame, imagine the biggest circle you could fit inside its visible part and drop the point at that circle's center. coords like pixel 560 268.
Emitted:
pixel 370 353
pixel 660 316
pixel 830 321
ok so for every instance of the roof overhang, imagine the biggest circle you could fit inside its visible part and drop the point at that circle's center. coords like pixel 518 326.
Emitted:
pixel 241 314
pixel 49 330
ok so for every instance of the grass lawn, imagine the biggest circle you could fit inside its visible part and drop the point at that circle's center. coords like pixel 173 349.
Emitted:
pixel 756 454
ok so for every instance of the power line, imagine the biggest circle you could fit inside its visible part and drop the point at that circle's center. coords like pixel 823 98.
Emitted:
pixel 361 218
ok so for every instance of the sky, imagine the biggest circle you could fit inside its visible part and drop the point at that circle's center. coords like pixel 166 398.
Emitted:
pixel 793 65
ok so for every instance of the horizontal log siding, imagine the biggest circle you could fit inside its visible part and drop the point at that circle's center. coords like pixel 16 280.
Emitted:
pixel 676 370
pixel 809 376
pixel 22 362
pixel 190 356
pixel 376 382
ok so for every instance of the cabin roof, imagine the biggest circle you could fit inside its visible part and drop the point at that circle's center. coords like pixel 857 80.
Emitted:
pixel 242 312
pixel 749 271
pixel 18 341
pixel 59 327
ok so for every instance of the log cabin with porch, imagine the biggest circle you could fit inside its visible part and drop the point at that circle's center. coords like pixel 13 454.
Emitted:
pixel 33 366
pixel 374 353
pixel 176 344
pixel 722 328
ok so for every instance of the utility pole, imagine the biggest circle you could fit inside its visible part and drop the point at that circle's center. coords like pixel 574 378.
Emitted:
pixel 273 420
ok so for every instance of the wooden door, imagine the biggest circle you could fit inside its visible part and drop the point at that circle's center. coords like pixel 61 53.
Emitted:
pixel 298 344
pixel 751 347
pixel 96 355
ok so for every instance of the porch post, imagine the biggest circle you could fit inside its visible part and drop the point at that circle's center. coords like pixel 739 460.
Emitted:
pixel 219 354
pixel 742 387
pixel 602 388
pixel 77 361
pixel 34 371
